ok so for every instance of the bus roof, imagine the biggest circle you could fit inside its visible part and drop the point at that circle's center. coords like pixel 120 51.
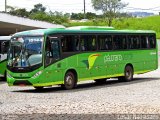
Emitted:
pixel 82 29
pixel 90 28
pixel 5 37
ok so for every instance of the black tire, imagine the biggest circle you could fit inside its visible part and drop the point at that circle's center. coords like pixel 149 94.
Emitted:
pixel 70 81
pixel 128 74
pixel 100 81
pixel 5 76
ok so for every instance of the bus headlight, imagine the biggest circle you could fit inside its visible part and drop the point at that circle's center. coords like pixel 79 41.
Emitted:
pixel 37 74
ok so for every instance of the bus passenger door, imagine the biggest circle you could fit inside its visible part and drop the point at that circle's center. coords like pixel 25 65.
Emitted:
pixel 4 45
pixel 52 56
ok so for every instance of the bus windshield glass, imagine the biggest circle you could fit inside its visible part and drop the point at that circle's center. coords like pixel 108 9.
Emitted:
pixel 25 51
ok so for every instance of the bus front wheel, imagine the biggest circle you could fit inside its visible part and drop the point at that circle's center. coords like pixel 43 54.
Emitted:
pixel 128 74
pixel 70 81
pixel 5 76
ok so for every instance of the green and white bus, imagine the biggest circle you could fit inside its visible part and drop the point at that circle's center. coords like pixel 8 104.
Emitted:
pixel 4 45
pixel 46 57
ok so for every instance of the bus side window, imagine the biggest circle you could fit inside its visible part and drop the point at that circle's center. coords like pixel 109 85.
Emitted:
pixel 70 43
pixel 133 42
pixel 152 41
pixel 136 42
pixel 130 42
pixel 144 42
pixel 83 48
pixel 93 45
pixel 88 43
pixel 117 42
pixel 124 42
pixel 105 42
pixel 77 44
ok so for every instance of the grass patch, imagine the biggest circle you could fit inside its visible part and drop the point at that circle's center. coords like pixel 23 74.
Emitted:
pixel 146 23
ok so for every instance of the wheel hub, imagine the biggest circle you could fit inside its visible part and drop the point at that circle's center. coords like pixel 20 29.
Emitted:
pixel 128 74
pixel 69 80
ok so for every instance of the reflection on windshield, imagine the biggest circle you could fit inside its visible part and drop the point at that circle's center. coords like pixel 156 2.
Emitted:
pixel 25 51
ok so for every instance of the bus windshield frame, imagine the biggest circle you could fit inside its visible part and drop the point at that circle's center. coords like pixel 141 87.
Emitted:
pixel 25 53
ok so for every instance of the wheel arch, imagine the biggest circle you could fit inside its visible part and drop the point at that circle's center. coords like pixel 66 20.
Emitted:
pixel 129 64
pixel 74 72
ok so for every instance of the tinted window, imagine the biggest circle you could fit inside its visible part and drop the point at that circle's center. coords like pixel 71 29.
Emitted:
pixel 133 42
pixel 119 42
pixel 70 43
pixel 144 42
pixel 152 41
pixel 105 42
pixel 88 43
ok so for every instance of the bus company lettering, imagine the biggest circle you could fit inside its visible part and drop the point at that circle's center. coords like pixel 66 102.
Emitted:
pixel 110 58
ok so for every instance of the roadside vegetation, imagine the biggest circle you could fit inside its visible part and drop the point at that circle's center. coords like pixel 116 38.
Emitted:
pixel 119 21
pixel 145 23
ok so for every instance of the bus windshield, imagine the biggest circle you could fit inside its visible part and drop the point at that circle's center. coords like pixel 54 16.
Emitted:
pixel 25 51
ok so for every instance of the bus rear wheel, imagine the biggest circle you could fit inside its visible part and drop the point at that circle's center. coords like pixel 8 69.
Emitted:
pixel 128 74
pixel 70 81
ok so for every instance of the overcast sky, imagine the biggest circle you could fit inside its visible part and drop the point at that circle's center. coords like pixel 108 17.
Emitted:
pixel 69 6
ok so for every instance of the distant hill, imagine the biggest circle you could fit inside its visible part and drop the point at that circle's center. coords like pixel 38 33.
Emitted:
pixel 140 14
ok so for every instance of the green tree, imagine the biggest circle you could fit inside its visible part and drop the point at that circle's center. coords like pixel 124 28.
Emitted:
pixel 21 12
pixel 109 8
pixel 52 17
pixel 39 13
pixel 10 8
pixel 59 17
pixel 90 15
pixel 77 16
pixel 40 16
pixel 38 8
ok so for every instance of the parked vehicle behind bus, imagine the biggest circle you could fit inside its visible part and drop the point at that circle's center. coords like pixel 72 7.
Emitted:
pixel 42 58
pixel 4 45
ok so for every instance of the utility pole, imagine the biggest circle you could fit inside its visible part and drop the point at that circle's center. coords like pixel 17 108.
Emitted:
pixel 84 9
pixel 5 5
